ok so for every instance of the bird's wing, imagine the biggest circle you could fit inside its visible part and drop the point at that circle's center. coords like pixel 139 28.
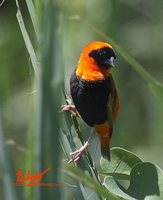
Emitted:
pixel 115 103
pixel 112 105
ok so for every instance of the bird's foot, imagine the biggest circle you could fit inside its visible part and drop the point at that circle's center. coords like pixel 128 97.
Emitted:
pixel 69 108
pixel 78 153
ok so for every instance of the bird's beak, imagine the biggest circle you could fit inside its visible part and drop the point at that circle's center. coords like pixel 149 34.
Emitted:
pixel 111 61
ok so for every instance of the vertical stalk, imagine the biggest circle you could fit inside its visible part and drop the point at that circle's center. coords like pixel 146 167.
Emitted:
pixel 49 101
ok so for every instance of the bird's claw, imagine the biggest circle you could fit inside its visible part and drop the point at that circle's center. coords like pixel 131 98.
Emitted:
pixel 69 108
pixel 78 153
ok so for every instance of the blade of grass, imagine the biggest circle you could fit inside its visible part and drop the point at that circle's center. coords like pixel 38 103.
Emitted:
pixel 27 41
pixel 32 13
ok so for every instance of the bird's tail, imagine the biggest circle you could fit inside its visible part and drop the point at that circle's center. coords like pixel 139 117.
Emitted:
pixel 104 133
pixel 105 151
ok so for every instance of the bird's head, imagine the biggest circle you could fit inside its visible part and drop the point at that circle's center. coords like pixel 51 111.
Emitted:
pixel 103 54
pixel 97 56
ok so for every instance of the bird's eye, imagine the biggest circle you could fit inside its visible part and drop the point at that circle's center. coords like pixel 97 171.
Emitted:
pixel 104 52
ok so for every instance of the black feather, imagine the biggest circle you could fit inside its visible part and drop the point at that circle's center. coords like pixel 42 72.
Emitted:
pixel 105 151
pixel 91 98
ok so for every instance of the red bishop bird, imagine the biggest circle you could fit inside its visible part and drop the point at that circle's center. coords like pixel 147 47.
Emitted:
pixel 94 93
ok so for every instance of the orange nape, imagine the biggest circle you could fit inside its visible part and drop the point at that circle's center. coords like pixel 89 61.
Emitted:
pixel 87 68
pixel 104 132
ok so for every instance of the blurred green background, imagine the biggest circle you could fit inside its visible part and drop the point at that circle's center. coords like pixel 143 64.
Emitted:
pixel 137 26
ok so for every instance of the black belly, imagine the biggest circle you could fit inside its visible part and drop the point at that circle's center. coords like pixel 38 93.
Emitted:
pixel 91 98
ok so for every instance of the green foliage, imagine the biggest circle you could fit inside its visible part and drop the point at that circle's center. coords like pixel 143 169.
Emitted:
pixel 145 179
